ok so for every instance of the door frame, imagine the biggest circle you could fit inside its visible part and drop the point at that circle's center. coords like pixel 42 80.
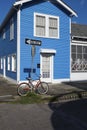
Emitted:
pixel 52 52
pixel 51 68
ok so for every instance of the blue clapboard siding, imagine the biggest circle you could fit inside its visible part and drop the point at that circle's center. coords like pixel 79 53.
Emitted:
pixel 9 47
pixel 61 45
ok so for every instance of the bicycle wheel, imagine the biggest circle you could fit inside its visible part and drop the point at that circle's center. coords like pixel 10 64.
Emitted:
pixel 23 89
pixel 43 88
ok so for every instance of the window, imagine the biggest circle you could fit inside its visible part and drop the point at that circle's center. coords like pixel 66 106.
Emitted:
pixel 46 26
pixel 11 29
pixel 14 62
pixel 79 58
pixel 8 63
pixel 1 63
pixel 4 34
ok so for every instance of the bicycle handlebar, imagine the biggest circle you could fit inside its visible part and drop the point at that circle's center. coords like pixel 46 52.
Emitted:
pixel 30 78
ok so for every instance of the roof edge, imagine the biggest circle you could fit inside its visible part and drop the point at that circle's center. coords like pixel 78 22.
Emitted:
pixel 68 8
pixel 73 13
pixel 21 2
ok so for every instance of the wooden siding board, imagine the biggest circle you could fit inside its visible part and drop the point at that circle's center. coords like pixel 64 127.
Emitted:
pixel 9 47
pixel 61 45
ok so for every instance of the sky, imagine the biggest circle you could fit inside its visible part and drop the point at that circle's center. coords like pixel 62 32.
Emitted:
pixel 79 6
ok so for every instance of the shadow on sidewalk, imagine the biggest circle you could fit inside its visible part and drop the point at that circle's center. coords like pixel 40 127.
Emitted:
pixel 79 84
pixel 69 115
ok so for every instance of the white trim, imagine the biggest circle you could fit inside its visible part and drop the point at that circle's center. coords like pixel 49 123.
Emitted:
pixel 79 42
pixel 59 1
pixel 51 51
pixel 78 76
pixel 60 80
pixel 21 2
pixel 79 37
pixel 4 66
pixel 18 45
pixel 67 7
pixel 52 67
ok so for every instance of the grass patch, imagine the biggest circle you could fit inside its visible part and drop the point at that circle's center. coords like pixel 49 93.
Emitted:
pixel 31 98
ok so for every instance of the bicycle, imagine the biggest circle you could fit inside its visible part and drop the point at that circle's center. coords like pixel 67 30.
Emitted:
pixel 24 88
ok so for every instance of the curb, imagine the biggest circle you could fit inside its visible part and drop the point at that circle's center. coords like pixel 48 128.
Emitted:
pixel 66 97
pixel 72 97
pixel 6 98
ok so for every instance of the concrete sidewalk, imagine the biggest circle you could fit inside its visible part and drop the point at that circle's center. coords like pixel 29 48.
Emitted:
pixel 68 91
pixel 67 87
pixel 61 91
pixel 7 87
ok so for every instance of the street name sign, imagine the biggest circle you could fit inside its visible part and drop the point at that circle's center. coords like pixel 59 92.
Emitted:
pixel 33 42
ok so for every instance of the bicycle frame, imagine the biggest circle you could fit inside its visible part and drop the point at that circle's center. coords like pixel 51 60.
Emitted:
pixel 32 85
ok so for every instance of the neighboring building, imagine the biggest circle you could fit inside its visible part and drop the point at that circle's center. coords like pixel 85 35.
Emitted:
pixel 46 21
pixel 78 52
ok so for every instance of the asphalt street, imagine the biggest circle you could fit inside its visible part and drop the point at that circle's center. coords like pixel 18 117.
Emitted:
pixel 52 116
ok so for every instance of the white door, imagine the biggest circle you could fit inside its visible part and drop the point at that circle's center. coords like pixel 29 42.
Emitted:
pixel 4 66
pixel 47 67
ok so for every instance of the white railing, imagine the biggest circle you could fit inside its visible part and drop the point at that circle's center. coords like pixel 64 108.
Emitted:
pixel 79 66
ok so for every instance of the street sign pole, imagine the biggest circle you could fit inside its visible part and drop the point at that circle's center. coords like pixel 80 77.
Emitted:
pixel 33 52
pixel 33 44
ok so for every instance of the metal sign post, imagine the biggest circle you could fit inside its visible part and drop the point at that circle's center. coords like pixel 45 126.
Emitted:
pixel 33 52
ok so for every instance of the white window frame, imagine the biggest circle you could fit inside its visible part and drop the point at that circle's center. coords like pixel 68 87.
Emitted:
pixel 11 29
pixel 9 63
pixel 46 25
pixel 1 62
pixel 14 61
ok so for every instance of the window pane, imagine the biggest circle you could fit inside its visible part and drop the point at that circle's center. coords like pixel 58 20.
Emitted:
pixel 73 57
pixel 79 49
pixel 85 57
pixel 40 25
pixel 40 31
pixel 53 22
pixel 14 63
pixel 11 29
pixel 73 48
pixel 8 62
pixel 53 27
pixel 85 49
pixel 53 32
pixel 40 20
pixel 79 56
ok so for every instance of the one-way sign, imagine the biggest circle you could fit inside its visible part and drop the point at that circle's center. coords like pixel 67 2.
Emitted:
pixel 33 42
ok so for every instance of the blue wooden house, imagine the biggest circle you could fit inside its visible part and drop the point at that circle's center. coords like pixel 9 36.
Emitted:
pixel 43 22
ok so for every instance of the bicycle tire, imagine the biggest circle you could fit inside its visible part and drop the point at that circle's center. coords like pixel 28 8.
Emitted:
pixel 43 88
pixel 23 89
